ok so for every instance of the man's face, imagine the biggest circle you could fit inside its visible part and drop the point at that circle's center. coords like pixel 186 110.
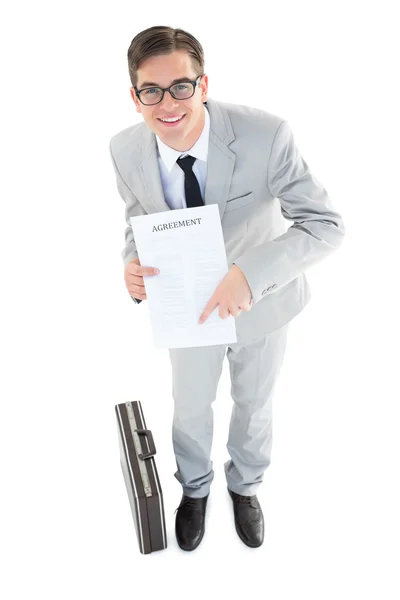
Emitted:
pixel 161 71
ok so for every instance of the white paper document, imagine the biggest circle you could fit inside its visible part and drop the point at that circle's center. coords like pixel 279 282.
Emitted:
pixel 187 245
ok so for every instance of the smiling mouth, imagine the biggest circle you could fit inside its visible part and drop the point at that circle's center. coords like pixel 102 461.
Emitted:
pixel 172 122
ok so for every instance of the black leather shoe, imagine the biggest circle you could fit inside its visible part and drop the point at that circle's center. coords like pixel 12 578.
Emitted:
pixel 249 520
pixel 189 522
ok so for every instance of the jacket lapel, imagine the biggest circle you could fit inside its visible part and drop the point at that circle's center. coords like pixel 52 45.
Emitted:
pixel 220 163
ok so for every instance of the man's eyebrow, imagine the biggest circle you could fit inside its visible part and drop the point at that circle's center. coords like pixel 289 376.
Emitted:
pixel 152 83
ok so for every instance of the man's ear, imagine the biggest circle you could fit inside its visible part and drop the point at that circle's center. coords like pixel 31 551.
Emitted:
pixel 204 88
pixel 135 99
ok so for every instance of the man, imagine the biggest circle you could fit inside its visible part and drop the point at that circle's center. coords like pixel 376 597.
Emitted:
pixel 193 150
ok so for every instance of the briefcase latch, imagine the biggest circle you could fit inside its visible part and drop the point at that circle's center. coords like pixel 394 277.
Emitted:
pixel 150 441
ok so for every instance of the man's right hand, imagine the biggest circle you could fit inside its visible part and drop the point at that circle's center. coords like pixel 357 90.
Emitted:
pixel 134 278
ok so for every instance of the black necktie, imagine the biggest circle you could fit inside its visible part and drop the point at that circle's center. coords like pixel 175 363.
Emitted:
pixel 192 188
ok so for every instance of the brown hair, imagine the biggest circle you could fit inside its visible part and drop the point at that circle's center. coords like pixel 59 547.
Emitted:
pixel 163 40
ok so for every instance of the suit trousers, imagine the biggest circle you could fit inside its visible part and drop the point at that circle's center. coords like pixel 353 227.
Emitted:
pixel 254 368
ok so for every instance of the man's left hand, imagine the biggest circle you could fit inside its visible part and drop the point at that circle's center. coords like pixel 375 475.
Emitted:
pixel 233 295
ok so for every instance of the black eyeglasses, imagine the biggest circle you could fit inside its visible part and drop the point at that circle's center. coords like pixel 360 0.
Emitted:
pixel 179 91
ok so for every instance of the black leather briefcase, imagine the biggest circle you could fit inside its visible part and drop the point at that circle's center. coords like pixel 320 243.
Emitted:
pixel 137 452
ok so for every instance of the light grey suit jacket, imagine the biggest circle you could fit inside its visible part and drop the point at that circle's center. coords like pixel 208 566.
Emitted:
pixel 259 180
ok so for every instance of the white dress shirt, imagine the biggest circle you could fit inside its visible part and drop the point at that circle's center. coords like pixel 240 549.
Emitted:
pixel 172 176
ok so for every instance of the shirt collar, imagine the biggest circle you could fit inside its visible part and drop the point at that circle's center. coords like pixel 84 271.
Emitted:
pixel 198 150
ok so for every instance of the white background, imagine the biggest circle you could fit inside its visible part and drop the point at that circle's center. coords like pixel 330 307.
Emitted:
pixel 74 344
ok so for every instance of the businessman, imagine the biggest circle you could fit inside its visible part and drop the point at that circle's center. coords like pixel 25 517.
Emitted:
pixel 192 150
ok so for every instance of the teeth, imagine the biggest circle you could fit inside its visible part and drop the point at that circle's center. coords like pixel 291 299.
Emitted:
pixel 172 120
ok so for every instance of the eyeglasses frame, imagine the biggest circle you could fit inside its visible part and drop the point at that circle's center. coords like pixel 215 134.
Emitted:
pixel 168 89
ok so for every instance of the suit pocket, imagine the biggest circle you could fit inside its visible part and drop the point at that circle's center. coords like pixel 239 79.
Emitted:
pixel 239 202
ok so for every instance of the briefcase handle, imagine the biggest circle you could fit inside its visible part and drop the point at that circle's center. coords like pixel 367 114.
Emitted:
pixel 150 441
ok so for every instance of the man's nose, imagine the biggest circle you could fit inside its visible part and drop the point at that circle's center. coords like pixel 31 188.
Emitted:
pixel 168 102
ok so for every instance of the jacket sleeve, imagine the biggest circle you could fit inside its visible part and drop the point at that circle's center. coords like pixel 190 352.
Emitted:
pixel 317 231
pixel 132 209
